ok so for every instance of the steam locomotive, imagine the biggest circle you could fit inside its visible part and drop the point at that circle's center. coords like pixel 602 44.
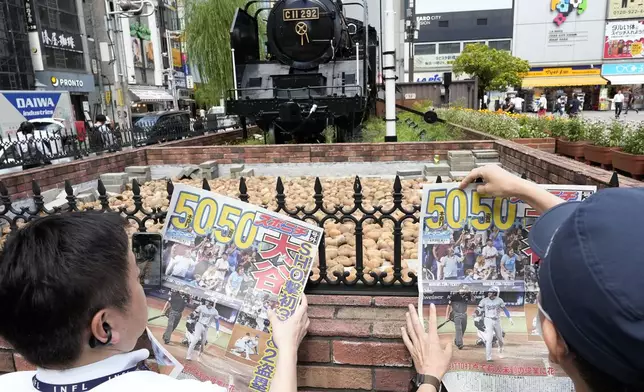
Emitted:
pixel 318 70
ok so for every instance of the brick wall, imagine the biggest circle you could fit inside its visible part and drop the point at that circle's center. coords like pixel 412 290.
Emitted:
pixel 546 144
pixel 354 343
pixel 307 153
pixel 545 168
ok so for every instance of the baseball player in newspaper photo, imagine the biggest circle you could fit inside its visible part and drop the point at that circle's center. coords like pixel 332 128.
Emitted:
pixel 207 314
pixel 173 308
pixel 246 345
pixel 456 311
pixel 491 305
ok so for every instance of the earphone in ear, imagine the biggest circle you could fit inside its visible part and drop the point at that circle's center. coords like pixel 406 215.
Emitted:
pixel 93 342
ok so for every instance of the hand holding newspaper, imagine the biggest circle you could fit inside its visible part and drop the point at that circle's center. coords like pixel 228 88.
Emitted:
pixel 228 267
pixel 478 270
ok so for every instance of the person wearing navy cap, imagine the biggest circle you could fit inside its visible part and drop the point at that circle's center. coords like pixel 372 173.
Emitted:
pixel 592 250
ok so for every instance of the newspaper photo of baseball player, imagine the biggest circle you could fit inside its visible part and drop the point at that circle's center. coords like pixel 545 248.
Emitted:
pixel 479 271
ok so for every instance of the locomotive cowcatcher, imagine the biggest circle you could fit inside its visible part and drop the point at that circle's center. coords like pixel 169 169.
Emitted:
pixel 318 72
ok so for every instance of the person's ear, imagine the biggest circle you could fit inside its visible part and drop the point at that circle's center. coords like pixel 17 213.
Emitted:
pixel 557 347
pixel 102 330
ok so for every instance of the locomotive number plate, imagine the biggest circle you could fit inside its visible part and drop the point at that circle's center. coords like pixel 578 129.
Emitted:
pixel 302 13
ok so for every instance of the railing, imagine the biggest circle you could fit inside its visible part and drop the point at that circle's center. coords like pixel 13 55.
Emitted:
pixel 46 146
pixel 326 281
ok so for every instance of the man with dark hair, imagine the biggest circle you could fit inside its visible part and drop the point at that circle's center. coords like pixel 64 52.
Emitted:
pixel 72 304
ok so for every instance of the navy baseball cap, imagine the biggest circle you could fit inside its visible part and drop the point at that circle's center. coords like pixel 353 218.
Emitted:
pixel 591 278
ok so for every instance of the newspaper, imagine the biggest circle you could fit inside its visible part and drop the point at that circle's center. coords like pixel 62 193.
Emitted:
pixel 472 244
pixel 225 265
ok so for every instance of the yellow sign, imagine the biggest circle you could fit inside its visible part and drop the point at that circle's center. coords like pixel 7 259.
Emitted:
pixel 119 97
pixel 563 72
pixel 108 97
pixel 176 58
pixel 301 14
pixel 302 29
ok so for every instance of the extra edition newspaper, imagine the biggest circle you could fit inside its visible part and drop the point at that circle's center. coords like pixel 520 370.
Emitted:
pixel 473 245
pixel 225 264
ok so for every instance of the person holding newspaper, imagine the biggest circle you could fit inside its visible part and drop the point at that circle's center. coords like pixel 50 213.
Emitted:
pixel 72 304
pixel 591 247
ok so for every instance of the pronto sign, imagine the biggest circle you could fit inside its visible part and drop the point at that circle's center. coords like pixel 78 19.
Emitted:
pixel 563 72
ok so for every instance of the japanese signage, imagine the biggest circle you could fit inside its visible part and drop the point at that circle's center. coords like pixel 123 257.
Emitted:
pixel 226 264
pixel 137 52
pixel 624 9
pixel 30 16
pixel 565 8
pixel 62 41
pixel 563 72
pixel 429 61
pixel 474 251
pixel 148 54
pixel 624 39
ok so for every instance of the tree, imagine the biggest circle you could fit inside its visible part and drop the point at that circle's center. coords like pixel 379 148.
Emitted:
pixel 207 35
pixel 495 69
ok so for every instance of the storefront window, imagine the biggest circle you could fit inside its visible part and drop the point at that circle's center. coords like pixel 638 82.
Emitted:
pixel 501 45
pixel 15 68
pixel 59 29
pixel 449 48
pixel 423 49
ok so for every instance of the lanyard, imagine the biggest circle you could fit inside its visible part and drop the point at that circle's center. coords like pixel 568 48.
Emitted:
pixel 77 387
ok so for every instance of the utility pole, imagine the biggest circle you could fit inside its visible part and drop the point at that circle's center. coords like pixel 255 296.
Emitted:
pixel 169 35
pixel 99 67
pixel 389 70
pixel 412 35
pixel 116 12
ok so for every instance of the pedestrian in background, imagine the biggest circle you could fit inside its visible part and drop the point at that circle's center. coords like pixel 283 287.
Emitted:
pixel 618 101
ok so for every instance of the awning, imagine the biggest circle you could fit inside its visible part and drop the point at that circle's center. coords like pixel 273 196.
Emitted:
pixel 618 80
pixel 145 95
pixel 555 81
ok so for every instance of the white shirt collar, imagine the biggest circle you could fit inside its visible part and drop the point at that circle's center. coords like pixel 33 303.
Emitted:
pixel 106 367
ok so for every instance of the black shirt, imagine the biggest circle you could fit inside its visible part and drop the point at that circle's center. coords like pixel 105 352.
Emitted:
pixel 459 302
pixel 177 303
pixel 574 106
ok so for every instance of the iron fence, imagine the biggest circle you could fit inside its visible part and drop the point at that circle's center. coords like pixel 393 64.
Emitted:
pixel 52 143
pixel 328 282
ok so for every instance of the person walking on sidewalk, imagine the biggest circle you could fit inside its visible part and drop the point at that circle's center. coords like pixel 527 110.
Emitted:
pixel 630 100
pixel 457 312
pixel 618 101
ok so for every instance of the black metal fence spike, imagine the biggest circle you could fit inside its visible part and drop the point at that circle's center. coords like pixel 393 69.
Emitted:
pixel 136 188
pixel 524 176
pixel 69 190
pixel 243 190
pixel 3 189
pixel 169 186
pixel 614 180
pixel 101 188
pixel 279 187
pixel 357 185
pixel 317 188
pixel 35 188
pixel 205 185
pixel 397 185
pixel 439 180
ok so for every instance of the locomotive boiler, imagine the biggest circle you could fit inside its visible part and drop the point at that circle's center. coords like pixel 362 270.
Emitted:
pixel 317 71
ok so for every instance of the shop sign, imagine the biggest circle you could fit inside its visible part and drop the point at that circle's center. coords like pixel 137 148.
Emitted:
pixel 624 39
pixel 424 20
pixel 620 9
pixel 425 61
pixel 564 8
pixel 62 41
pixel 66 81
pixel 30 16
pixel 623 69
pixel 436 78
pixel 563 72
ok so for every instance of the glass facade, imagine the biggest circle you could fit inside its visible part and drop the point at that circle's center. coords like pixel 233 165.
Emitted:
pixel 16 72
pixel 60 16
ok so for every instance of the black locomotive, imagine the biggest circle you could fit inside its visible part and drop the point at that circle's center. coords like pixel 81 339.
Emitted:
pixel 318 72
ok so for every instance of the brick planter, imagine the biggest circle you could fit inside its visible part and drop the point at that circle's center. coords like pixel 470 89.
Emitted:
pixel 629 163
pixel 599 155
pixel 573 150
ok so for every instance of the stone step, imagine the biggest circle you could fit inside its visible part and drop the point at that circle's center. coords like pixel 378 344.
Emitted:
pixel 209 170
pixel 114 178
pixel 190 172
pixel 86 197
pixel 436 169
pixel 458 175
pixel 488 163
pixel 56 203
pixel 236 169
pixel 487 155
pixel 409 173
pixel 463 167
pixel 115 188
pixel 246 173
pixel 459 154
pixel 138 170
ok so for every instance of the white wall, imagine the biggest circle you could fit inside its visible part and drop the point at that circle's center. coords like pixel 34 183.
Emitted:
pixel 438 6
pixel 579 40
